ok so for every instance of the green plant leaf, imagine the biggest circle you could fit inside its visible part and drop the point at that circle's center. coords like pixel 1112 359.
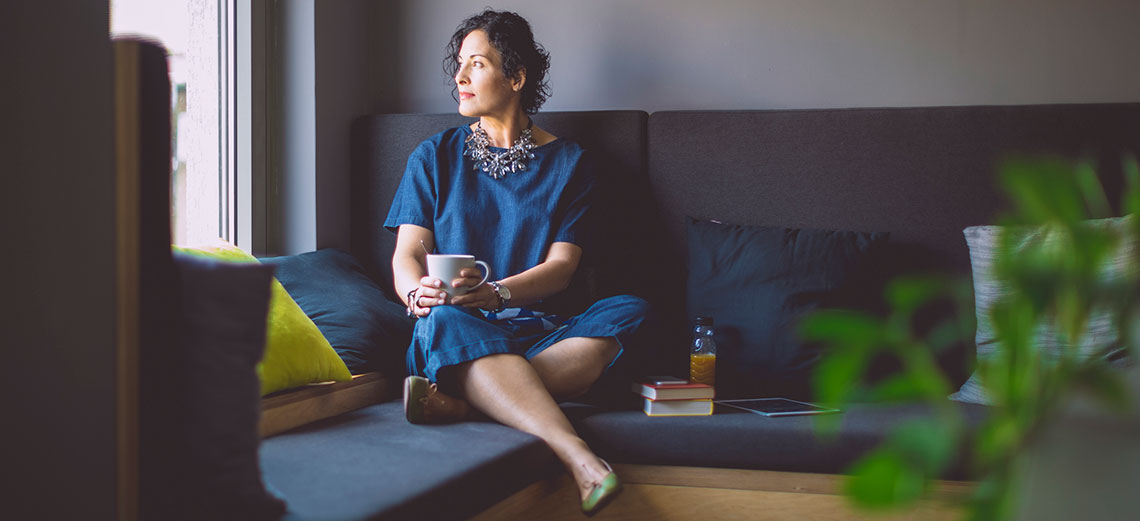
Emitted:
pixel 1092 191
pixel 884 480
pixel 992 499
pixel 907 293
pixel 1042 189
pixel 997 439
pixel 947 334
pixel 1051 268
pixel 901 387
pixel 1015 324
pixel 924 368
pixel 836 328
pixel 910 385
pixel 837 375
pixel 1131 198
pixel 928 444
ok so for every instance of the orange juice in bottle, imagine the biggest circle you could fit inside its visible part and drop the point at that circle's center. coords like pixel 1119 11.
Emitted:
pixel 702 353
pixel 702 369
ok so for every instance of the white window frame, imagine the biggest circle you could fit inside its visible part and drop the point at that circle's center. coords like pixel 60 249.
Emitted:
pixel 227 105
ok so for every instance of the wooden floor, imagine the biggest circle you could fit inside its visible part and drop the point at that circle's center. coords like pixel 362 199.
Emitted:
pixel 694 493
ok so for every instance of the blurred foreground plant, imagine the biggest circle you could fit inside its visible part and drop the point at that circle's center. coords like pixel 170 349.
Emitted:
pixel 1056 281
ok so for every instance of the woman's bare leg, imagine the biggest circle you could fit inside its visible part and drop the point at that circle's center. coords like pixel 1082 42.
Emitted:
pixel 571 366
pixel 509 390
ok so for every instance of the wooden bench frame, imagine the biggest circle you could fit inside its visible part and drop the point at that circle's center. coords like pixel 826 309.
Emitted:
pixel 709 494
pixel 296 407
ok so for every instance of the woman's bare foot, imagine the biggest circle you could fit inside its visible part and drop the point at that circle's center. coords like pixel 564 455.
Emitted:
pixel 586 468
pixel 590 476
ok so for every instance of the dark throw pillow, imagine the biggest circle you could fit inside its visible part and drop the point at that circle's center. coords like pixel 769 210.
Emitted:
pixel 205 442
pixel 368 331
pixel 757 283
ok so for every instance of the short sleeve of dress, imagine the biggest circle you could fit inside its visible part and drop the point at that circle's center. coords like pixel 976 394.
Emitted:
pixel 416 196
pixel 573 220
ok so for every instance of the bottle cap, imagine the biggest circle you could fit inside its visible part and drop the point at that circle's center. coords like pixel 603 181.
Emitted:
pixel 704 321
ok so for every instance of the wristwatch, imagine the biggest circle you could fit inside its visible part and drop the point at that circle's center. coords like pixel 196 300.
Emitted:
pixel 503 293
pixel 412 296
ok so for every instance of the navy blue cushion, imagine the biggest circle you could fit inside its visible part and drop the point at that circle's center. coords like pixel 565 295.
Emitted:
pixel 204 446
pixel 757 283
pixel 368 331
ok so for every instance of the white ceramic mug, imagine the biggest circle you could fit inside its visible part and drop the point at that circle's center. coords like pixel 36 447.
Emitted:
pixel 447 267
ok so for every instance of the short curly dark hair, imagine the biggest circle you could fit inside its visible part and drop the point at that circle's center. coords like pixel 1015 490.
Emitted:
pixel 510 34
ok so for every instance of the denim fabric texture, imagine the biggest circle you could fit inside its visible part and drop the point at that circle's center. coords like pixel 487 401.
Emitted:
pixel 452 335
pixel 510 222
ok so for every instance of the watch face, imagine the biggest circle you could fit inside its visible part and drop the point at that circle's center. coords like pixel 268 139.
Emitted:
pixel 503 291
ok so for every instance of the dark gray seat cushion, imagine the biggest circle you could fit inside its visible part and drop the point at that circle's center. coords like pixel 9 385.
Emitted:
pixel 372 464
pixel 743 440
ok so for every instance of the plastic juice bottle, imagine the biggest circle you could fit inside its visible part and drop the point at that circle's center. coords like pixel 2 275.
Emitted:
pixel 702 353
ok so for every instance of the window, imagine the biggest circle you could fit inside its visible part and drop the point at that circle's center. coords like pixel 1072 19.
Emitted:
pixel 198 36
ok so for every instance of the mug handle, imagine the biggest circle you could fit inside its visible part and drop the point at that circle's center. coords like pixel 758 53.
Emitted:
pixel 486 273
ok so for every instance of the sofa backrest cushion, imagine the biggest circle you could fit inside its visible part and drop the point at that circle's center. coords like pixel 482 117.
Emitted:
pixel 922 174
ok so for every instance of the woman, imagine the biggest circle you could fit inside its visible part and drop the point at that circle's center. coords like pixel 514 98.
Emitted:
pixel 516 196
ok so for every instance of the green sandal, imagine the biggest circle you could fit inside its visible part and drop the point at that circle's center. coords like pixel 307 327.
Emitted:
pixel 604 491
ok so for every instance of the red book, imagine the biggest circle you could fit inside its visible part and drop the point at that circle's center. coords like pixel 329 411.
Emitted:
pixel 685 391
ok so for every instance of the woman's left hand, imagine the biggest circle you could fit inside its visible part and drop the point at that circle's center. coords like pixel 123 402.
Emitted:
pixel 483 296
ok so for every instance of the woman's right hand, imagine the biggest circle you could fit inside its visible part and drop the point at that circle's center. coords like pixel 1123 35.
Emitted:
pixel 429 295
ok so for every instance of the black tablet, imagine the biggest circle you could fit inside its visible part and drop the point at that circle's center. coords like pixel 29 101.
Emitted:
pixel 777 406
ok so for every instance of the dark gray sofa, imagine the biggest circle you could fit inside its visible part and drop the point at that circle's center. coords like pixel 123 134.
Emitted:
pixel 922 174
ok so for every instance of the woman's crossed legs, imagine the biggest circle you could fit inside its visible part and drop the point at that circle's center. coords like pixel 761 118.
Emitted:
pixel 522 394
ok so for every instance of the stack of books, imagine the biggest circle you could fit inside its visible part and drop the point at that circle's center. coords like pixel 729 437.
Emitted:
pixel 675 397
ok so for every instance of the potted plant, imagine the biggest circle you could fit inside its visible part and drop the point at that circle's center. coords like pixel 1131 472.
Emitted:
pixel 1063 314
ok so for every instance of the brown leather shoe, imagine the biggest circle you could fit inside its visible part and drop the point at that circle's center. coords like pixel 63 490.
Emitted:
pixel 425 404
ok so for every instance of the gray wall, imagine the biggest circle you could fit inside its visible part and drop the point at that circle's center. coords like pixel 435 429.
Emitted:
pixel 325 80
pixel 345 61
pixel 385 56
pixel 57 212
pixel 752 54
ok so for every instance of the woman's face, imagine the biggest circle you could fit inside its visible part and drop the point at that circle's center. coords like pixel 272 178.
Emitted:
pixel 483 89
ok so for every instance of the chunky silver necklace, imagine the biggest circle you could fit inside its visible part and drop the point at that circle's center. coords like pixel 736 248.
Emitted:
pixel 499 164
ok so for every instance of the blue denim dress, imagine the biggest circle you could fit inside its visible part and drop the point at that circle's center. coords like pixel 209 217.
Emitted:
pixel 510 223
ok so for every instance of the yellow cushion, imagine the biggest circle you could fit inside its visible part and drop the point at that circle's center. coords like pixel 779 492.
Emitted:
pixel 296 353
